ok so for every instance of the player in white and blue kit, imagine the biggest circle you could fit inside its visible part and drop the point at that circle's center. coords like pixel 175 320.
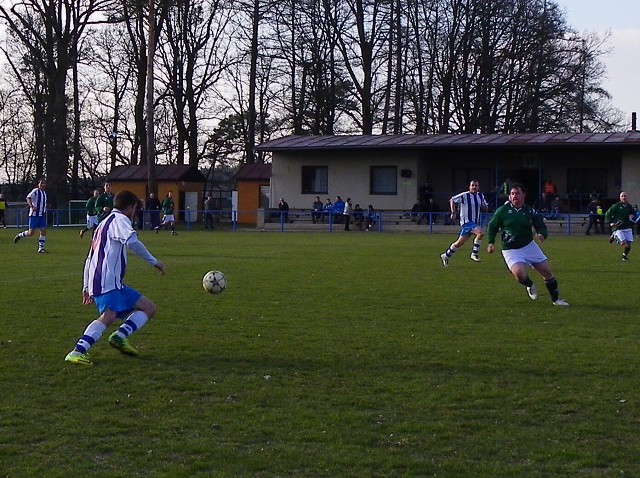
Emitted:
pixel 468 205
pixel 37 201
pixel 104 271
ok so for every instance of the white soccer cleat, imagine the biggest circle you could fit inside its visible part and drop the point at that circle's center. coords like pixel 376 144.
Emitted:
pixel 533 292
pixel 561 303
pixel 475 258
pixel 445 259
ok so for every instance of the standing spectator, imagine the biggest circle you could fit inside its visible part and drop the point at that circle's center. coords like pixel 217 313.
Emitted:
pixel 338 209
pixel 153 206
pixel 37 201
pixel 503 191
pixel 470 204
pixel 327 210
pixel 168 218
pixel 594 216
pixel 3 207
pixel 316 210
pixel 425 193
pixel 208 212
pixel 347 214
pixel 620 217
pixel 104 270
pixel 515 219
pixel 283 207
pixel 140 214
pixel 549 190
pixel 104 203
pixel 92 213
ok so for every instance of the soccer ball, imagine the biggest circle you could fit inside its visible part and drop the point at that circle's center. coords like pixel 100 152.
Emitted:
pixel 214 282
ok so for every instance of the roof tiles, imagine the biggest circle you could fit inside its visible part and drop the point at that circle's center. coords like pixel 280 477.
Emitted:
pixel 433 141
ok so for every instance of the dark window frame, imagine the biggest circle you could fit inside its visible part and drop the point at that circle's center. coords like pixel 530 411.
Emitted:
pixel 309 183
pixel 372 180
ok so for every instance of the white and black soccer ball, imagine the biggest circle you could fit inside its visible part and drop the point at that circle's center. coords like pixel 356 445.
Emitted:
pixel 214 282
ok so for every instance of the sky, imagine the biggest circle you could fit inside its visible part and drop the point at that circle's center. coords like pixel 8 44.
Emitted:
pixel 621 18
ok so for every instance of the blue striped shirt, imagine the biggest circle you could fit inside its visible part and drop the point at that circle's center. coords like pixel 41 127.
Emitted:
pixel 39 200
pixel 470 206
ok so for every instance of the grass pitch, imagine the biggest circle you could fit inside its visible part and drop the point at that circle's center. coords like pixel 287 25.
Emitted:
pixel 329 355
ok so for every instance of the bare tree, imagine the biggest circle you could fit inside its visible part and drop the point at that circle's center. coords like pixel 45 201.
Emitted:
pixel 193 58
pixel 49 30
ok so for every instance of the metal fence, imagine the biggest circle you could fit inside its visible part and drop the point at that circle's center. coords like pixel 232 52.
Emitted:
pixel 297 220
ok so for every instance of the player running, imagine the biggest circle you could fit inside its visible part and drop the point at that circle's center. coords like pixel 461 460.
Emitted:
pixel 515 219
pixel 37 201
pixel 470 204
pixel 620 217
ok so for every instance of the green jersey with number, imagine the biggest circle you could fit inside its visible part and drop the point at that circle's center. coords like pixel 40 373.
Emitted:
pixel 516 225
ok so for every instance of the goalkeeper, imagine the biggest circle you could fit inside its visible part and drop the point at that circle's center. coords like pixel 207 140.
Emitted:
pixel 620 217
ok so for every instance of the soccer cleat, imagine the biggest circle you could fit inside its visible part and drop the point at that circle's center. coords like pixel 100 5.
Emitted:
pixel 42 251
pixel 611 239
pixel 157 230
pixel 625 258
pixel 81 233
pixel 17 238
pixel 445 259
pixel 174 233
pixel 122 345
pixel 533 292
pixel 78 358
pixel 561 303
pixel 475 258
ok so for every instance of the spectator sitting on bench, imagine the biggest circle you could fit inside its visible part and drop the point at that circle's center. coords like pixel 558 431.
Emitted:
pixel 327 209
pixel 358 216
pixel 555 209
pixel 371 217
pixel 316 210
pixel 432 210
pixel 338 210
pixel 417 212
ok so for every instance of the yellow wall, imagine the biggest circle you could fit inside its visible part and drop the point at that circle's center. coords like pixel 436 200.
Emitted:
pixel 140 190
pixel 248 200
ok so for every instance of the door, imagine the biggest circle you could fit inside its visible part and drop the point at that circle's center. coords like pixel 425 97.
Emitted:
pixel 191 205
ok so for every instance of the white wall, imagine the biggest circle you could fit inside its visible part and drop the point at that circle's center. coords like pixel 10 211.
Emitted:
pixel 630 176
pixel 348 177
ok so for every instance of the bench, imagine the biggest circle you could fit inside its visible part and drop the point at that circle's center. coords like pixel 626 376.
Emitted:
pixel 567 223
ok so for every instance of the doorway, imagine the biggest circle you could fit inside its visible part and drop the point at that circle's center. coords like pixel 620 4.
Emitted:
pixel 530 178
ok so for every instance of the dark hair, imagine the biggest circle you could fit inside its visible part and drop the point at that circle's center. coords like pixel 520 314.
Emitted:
pixel 124 199
pixel 519 186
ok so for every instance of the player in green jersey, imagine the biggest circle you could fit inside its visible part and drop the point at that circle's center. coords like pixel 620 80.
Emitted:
pixel 168 214
pixel 620 217
pixel 516 219
pixel 104 203
pixel 92 213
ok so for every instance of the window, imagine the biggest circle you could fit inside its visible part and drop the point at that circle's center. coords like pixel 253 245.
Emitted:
pixel 384 180
pixel 315 179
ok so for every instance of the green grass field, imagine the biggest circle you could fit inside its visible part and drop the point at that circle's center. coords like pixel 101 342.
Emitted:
pixel 329 355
